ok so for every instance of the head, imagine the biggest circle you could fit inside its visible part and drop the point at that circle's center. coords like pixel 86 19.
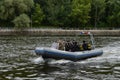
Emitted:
pixel 84 41
pixel 75 42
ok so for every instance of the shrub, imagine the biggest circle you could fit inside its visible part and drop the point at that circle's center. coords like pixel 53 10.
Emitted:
pixel 22 21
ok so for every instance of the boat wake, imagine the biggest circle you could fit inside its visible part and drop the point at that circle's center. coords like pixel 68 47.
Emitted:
pixel 40 60
pixel 112 49
pixel 111 53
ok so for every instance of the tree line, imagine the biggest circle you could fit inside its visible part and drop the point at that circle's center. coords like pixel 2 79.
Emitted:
pixel 60 13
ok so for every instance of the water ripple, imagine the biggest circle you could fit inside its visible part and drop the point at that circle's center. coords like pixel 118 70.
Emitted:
pixel 19 62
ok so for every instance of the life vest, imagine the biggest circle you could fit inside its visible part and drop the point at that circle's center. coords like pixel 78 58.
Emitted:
pixel 89 46
pixel 81 48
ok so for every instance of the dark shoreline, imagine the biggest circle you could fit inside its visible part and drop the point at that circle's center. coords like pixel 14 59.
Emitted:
pixel 56 32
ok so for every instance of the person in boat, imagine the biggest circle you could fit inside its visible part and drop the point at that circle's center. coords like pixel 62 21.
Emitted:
pixel 75 46
pixel 86 46
pixel 81 48
pixel 71 46
pixel 61 45
pixel 68 46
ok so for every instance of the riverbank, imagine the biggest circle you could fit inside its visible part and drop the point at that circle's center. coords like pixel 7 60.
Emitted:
pixel 56 32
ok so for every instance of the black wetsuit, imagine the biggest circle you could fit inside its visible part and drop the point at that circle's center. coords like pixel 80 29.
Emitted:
pixel 85 46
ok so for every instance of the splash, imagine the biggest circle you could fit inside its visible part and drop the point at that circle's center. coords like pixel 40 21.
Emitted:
pixel 110 52
pixel 38 60
pixel 59 61
pixel 113 48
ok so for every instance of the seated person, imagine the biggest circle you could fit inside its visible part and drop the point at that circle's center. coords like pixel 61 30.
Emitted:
pixel 75 47
pixel 61 45
pixel 68 46
pixel 84 45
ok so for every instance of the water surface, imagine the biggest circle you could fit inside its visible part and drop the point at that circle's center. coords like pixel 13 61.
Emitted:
pixel 18 60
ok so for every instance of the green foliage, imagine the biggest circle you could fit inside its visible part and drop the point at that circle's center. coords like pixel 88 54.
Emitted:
pixel 80 12
pixel 114 13
pixel 22 21
pixel 98 12
pixel 6 9
pixel 37 16
pixel 56 11
pixel 10 9
pixel 62 13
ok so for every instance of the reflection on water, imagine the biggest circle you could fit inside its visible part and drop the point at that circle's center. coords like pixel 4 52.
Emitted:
pixel 18 60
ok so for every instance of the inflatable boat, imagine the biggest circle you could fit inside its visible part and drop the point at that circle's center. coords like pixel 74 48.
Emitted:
pixel 50 53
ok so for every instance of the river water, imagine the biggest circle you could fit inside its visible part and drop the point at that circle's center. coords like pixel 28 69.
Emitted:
pixel 18 60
